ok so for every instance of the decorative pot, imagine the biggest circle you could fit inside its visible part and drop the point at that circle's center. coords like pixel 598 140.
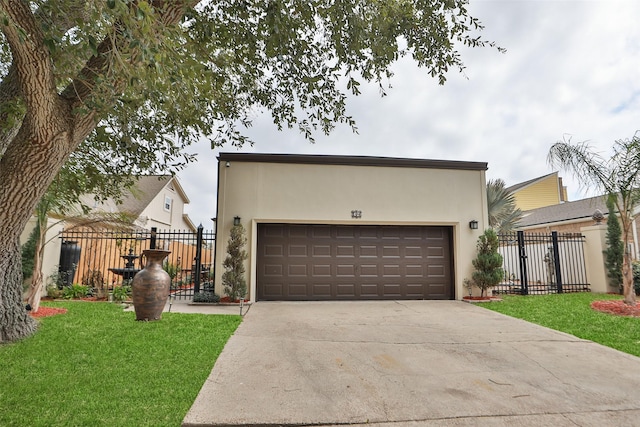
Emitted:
pixel 150 287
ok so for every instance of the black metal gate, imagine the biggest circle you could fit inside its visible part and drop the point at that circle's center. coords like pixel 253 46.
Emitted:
pixel 108 259
pixel 539 263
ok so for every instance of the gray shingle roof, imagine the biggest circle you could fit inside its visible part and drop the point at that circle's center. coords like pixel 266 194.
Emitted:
pixel 579 209
pixel 137 198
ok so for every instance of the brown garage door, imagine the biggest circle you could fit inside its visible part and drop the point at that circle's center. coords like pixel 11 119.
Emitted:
pixel 334 262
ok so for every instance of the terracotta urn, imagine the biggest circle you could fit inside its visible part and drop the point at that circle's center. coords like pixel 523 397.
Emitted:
pixel 150 287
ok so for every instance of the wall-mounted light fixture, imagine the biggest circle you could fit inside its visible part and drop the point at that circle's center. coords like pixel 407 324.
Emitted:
pixel 228 163
pixel 236 220
pixel 356 214
pixel 473 224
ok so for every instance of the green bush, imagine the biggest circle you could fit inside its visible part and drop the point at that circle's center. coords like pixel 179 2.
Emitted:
pixel 488 262
pixel 206 297
pixel 636 276
pixel 121 293
pixel 75 291
pixel 53 292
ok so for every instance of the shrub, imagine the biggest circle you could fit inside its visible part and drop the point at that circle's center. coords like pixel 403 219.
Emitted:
pixel 75 291
pixel 614 252
pixel 636 276
pixel 121 293
pixel 235 285
pixel 488 262
pixel 206 297
pixel 53 292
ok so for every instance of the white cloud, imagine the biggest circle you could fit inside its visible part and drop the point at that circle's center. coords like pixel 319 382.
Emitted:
pixel 571 68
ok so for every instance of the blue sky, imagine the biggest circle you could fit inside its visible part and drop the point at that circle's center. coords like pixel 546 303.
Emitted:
pixel 571 71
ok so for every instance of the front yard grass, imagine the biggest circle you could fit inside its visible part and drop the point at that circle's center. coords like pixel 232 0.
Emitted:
pixel 571 313
pixel 97 366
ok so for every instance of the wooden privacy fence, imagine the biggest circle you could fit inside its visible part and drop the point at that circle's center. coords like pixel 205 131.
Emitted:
pixel 540 263
pixel 105 259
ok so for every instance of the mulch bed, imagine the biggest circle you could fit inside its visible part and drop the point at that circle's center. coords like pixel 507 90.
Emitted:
pixel 47 311
pixel 617 307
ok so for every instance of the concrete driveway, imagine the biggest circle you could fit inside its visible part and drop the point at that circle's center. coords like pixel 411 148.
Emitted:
pixel 396 363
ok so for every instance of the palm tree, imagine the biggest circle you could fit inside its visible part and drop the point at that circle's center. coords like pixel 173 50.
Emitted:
pixel 617 176
pixel 503 213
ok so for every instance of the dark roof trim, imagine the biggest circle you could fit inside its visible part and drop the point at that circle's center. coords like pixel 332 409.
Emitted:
pixel 351 161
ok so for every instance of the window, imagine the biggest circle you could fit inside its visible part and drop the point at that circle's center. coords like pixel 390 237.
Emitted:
pixel 167 203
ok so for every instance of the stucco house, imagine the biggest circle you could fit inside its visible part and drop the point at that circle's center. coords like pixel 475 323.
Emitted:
pixel 349 227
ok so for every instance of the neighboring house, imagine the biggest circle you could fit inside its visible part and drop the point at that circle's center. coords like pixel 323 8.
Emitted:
pixel 351 228
pixel 570 217
pixel 543 191
pixel 155 201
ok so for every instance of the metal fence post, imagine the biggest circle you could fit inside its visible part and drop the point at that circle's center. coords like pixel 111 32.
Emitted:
pixel 556 261
pixel 198 260
pixel 152 238
pixel 523 263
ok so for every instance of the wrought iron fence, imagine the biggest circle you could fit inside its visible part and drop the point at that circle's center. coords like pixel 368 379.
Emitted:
pixel 104 260
pixel 538 263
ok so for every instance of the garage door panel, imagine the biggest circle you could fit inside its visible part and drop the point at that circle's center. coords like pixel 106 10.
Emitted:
pixel 273 250
pixel 329 262
pixel 322 270
pixel 391 270
pixel 369 290
pixel 369 270
pixel 436 252
pixel 273 290
pixel 438 271
pixel 392 289
pixel 368 251
pixel 297 231
pixel 298 251
pixel 321 250
pixel 298 270
pixel 273 270
pixel 345 251
pixel 346 290
pixel 416 270
pixel 297 290
pixel 391 251
pixel 413 252
pixel 321 290
pixel 321 232
pixel 346 270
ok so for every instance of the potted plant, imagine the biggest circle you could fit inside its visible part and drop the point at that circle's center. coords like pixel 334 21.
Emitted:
pixel 488 271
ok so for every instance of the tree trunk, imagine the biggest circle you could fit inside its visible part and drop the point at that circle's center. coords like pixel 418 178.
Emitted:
pixel 15 322
pixel 26 170
pixel 628 289
pixel 35 289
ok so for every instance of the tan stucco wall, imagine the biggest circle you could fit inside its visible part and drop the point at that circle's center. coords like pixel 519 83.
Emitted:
pixel 595 244
pixel 326 194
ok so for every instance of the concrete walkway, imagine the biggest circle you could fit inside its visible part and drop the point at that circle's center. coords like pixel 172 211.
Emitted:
pixel 410 363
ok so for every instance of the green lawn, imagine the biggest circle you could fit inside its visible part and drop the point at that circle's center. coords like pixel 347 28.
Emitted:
pixel 97 366
pixel 571 313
